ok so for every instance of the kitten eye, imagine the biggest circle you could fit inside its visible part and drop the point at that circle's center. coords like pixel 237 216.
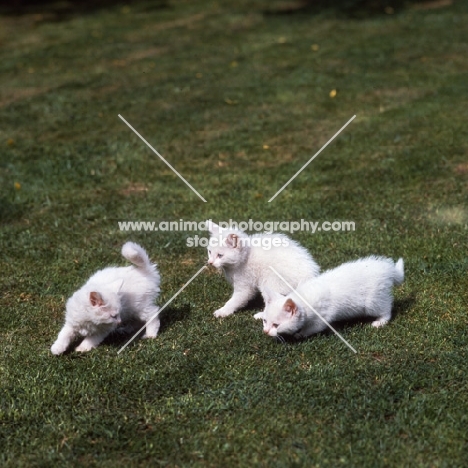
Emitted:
pixel 209 251
pixel 275 325
pixel 220 255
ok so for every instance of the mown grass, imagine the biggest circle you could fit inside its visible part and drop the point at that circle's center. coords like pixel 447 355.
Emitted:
pixel 236 99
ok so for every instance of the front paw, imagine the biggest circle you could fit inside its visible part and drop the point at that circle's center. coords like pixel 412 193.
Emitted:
pixel 84 347
pixel 222 312
pixel 259 316
pixel 149 336
pixel 379 323
pixel 57 349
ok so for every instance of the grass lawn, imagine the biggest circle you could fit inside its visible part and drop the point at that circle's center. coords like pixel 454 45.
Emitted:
pixel 237 96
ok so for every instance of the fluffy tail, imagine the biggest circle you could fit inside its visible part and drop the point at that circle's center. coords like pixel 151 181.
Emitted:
pixel 138 256
pixel 399 272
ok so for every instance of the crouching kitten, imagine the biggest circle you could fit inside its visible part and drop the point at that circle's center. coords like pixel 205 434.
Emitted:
pixel 111 296
pixel 362 288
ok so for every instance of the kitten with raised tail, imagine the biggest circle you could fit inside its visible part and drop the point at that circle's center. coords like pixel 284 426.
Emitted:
pixel 245 261
pixel 358 289
pixel 112 296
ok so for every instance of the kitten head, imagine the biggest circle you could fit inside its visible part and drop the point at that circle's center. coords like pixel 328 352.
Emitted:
pixel 94 307
pixel 105 307
pixel 227 247
pixel 281 316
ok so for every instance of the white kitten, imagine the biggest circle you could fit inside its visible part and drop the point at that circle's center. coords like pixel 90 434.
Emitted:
pixel 362 288
pixel 245 261
pixel 112 296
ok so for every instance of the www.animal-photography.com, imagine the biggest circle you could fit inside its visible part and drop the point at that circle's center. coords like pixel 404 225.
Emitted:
pixel 233 233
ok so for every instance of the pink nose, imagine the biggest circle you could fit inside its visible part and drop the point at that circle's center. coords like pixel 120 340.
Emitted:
pixel 266 331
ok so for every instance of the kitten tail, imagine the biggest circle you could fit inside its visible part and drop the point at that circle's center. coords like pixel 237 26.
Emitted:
pixel 399 272
pixel 138 256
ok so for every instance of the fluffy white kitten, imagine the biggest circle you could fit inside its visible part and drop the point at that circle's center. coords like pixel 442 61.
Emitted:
pixel 111 296
pixel 245 261
pixel 362 288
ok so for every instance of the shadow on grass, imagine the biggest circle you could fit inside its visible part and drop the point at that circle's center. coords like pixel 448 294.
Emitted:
pixel 169 317
pixel 9 211
pixel 357 9
pixel 173 315
pixel 401 306
pixel 53 10
pixel 256 304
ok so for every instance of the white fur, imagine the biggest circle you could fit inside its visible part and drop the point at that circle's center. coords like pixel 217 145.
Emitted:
pixel 111 296
pixel 362 288
pixel 245 261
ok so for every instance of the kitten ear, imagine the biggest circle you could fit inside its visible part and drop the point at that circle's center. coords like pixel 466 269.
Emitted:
pixel 96 299
pixel 231 240
pixel 290 306
pixel 269 294
pixel 213 228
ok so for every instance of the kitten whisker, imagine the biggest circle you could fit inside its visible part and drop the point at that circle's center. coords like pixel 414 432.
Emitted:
pixel 280 339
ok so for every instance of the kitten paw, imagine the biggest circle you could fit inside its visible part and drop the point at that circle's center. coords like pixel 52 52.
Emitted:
pixel 379 323
pixel 222 313
pixel 149 337
pixel 57 349
pixel 258 316
pixel 84 347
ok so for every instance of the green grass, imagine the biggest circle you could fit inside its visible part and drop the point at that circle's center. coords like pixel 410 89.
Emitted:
pixel 209 84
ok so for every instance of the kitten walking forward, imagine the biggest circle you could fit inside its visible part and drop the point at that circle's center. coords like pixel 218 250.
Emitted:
pixel 245 261
pixel 362 288
pixel 111 296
